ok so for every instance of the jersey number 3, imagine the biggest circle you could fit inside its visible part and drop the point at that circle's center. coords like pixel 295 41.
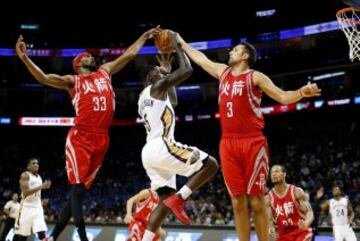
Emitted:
pixel 99 103
pixel 229 107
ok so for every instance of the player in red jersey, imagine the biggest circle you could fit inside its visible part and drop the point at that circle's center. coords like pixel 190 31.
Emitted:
pixel 289 208
pixel 145 201
pixel 94 102
pixel 243 147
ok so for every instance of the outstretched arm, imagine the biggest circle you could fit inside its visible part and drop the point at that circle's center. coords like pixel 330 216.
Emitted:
pixel 182 73
pixel 115 66
pixel 213 68
pixel 142 195
pixel 53 80
pixel 24 185
pixel 281 96
pixel 305 207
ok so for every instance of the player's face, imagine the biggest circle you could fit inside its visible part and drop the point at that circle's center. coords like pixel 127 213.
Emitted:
pixel 33 166
pixel 336 191
pixel 236 55
pixel 15 197
pixel 276 174
pixel 88 62
pixel 155 75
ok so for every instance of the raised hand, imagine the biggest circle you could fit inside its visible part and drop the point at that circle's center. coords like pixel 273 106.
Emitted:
pixel 320 193
pixel 152 32
pixel 20 47
pixel 165 61
pixel 310 90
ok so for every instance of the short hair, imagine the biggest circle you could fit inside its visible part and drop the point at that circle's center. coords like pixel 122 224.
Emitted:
pixel 145 71
pixel 283 168
pixel 336 185
pixel 250 49
pixel 31 159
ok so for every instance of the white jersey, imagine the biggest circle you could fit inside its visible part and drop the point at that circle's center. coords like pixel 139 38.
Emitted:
pixel 158 116
pixel 33 200
pixel 339 211
pixel 13 208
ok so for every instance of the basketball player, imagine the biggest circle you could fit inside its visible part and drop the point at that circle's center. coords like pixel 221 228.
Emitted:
pixel 290 208
pixel 31 214
pixel 243 147
pixel 145 201
pixel 163 158
pixel 342 215
pixel 11 209
pixel 94 102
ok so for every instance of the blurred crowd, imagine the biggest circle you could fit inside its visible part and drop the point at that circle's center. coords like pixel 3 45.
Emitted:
pixel 315 159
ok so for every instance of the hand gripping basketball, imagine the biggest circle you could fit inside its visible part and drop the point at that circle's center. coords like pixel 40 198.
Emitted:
pixel 163 41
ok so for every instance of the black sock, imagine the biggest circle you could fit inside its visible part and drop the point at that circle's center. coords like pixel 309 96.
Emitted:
pixel 18 237
pixel 64 218
pixel 41 235
pixel 82 231
pixel 77 196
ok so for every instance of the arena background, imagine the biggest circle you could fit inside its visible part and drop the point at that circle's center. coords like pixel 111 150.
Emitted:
pixel 316 139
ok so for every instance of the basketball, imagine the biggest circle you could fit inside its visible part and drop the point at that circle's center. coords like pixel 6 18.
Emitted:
pixel 163 41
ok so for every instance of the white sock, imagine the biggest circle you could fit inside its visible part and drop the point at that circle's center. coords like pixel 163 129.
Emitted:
pixel 148 236
pixel 185 192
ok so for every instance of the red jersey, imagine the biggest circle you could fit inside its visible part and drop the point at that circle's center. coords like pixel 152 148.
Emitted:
pixel 239 105
pixel 141 216
pixel 286 210
pixel 144 208
pixel 94 99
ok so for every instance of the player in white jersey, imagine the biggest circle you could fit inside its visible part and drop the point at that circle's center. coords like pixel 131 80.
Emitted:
pixel 163 158
pixel 30 218
pixel 342 215
pixel 11 209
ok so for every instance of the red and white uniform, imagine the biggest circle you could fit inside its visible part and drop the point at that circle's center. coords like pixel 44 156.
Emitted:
pixel 87 142
pixel 287 213
pixel 243 147
pixel 141 216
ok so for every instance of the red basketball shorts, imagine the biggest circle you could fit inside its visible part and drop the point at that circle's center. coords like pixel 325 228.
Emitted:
pixel 245 164
pixel 85 151
pixel 296 235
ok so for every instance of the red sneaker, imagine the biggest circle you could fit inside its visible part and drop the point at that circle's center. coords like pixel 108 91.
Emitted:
pixel 176 204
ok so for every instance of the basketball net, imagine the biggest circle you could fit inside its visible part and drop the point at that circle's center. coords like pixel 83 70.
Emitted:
pixel 349 21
